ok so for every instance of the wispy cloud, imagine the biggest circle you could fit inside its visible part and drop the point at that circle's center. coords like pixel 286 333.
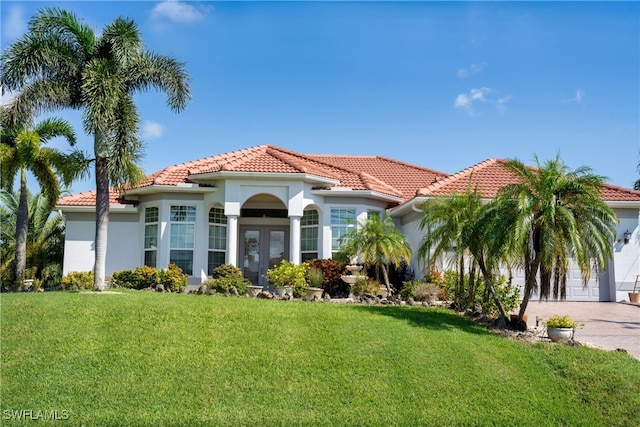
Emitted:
pixel 14 24
pixel 468 101
pixel 463 73
pixel 580 94
pixel 177 11
pixel 7 98
pixel 152 130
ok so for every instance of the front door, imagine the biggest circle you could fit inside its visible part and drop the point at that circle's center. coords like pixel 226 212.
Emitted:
pixel 262 247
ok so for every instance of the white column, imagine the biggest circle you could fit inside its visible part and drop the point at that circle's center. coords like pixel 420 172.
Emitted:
pixel 232 240
pixel 294 239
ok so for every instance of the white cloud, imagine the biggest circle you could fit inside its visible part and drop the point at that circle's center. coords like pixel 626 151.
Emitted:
pixel 152 130
pixel 463 73
pixel 15 24
pixel 467 101
pixel 7 97
pixel 179 12
pixel 580 94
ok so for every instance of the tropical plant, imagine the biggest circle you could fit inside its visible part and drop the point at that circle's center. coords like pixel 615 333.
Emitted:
pixel 378 243
pixel 288 274
pixel 332 271
pixel 44 243
pixel 459 223
pixel 636 185
pixel 225 276
pixel 314 277
pixel 22 151
pixel 555 214
pixel 557 321
pixel 62 63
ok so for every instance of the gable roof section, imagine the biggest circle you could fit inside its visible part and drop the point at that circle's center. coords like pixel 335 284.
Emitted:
pixel 491 175
pixel 364 173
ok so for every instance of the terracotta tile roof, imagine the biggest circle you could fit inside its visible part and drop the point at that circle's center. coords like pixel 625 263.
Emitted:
pixel 373 173
pixel 491 175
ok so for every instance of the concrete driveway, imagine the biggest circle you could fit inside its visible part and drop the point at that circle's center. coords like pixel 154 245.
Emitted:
pixel 607 325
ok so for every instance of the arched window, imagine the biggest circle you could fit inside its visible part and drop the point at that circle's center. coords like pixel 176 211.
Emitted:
pixel 217 239
pixel 309 235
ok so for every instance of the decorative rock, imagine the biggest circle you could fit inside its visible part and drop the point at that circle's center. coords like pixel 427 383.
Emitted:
pixel 411 302
pixel 265 295
pixel 203 289
pixel 327 297
pixel 232 290
pixel 159 287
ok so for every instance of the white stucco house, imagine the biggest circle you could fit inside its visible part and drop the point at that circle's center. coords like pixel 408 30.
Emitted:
pixel 253 207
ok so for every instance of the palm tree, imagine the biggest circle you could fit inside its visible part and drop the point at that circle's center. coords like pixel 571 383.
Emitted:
pixel 463 221
pixel 21 151
pixel 379 244
pixel 556 214
pixel 45 239
pixel 636 185
pixel 62 63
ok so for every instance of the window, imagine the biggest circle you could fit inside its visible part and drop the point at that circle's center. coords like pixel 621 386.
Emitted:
pixel 217 239
pixel 151 236
pixel 309 235
pixel 183 229
pixel 342 220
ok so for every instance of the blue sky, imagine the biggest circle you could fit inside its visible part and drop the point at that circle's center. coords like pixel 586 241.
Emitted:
pixel 443 85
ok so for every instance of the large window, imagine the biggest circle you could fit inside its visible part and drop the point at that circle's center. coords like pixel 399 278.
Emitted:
pixel 342 220
pixel 183 227
pixel 217 239
pixel 151 236
pixel 309 235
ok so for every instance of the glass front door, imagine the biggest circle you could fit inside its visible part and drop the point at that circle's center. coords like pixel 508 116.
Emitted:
pixel 261 248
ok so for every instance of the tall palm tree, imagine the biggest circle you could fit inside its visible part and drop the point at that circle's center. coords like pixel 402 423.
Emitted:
pixel 45 239
pixel 63 63
pixel 556 214
pixel 22 151
pixel 463 221
pixel 379 244
pixel 636 185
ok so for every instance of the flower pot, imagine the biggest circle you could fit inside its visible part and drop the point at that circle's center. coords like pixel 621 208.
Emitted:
pixel 253 290
pixel 634 297
pixel 282 290
pixel 560 335
pixel 313 293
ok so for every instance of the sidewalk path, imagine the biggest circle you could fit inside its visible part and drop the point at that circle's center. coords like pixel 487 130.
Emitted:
pixel 607 325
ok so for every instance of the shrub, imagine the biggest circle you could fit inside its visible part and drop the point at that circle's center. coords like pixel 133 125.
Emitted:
pixel 226 275
pixel 366 286
pixel 315 277
pixel 289 274
pixel 332 272
pixel 77 280
pixel 172 278
pixel 420 290
pixel 557 321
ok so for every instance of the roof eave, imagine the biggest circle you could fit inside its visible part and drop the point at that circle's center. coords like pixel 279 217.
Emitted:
pixel 179 188
pixel 622 204
pixel 263 175
pixel 113 209
pixel 347 192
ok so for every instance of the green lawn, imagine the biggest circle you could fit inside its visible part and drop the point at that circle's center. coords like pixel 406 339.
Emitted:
pixel 141 358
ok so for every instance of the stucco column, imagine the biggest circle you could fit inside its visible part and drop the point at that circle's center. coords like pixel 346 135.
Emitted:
pixel 294 239
pixel 232 240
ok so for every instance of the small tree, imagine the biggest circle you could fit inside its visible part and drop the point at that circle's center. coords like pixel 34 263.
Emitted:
pixel 379 244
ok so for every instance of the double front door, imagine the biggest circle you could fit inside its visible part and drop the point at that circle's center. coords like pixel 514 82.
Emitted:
pixel 262 247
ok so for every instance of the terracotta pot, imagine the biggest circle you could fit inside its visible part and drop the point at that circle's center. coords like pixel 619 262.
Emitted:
pixel 634 297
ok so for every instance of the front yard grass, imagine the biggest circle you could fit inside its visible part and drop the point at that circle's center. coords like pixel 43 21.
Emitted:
pixel 142 358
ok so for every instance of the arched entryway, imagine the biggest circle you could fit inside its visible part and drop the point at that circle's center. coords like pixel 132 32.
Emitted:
pixel 263 236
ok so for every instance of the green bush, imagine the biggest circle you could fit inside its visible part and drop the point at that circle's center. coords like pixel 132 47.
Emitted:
pixel 225 276
pixel 77 280
pixel 289 274
pixel 366 286
pixel 420 290
pixel 172 278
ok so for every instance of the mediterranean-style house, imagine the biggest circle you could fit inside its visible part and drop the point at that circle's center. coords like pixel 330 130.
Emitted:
pixel 256 206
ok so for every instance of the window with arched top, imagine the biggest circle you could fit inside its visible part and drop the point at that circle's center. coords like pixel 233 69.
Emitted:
pixel 217 239
pixel 309 234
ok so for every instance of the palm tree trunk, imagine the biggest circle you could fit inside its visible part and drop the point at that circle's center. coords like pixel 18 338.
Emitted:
pixel 102 222
pixel 529 285
pixel 488 278
pixel 385 275
pixel 461 280
pixel 22 228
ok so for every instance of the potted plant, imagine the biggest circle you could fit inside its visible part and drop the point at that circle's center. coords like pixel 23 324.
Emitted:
pixel 560 329
pixel 288 278
pixel 315 277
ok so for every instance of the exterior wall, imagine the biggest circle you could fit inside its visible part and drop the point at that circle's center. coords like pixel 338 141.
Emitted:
pixel 123 248
pixel 626 257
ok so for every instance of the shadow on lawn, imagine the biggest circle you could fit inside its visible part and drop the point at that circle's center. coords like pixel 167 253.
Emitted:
pixel 434 319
